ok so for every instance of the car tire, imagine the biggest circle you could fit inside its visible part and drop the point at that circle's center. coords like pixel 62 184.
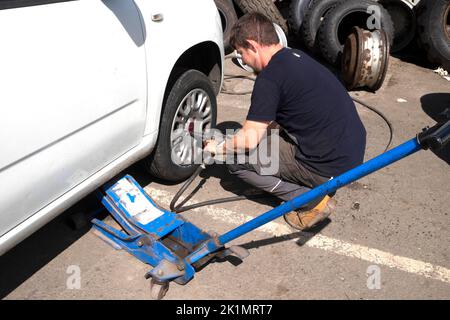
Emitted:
pixel 312 21
pixel 338 23
pixel 433 19
pixel 191 84
pixel 228 17
pixel 266 7
pixel 297 11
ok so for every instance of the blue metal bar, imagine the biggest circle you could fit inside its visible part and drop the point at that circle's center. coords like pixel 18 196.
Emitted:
pixel 330 186
pixel 114 233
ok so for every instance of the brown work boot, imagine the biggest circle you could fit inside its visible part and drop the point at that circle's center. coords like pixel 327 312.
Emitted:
pixel 304 220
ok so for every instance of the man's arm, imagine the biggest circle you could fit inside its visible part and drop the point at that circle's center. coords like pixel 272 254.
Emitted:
pixel 245 139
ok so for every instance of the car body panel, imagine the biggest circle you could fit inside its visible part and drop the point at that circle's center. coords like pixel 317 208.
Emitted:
pixel 63 120
pixel 82 96
pixel 179 17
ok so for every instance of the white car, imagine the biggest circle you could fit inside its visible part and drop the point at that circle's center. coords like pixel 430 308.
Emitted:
pixel 89 87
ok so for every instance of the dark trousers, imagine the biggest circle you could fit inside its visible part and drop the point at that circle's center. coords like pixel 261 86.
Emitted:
pixel 291 179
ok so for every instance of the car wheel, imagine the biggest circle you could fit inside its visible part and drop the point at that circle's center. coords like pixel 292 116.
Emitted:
pixel 190 105
pixel 338 23
pixel 228 17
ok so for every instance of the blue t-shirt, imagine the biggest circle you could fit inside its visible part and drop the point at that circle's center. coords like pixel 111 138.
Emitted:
pixel 309 102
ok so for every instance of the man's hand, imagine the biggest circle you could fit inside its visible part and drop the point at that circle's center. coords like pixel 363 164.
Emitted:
pixel 211 146
pixel 247 138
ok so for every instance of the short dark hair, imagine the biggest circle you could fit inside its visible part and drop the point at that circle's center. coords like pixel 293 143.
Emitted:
pixel 253 26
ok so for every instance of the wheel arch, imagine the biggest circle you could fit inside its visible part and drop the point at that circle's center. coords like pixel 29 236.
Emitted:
pixel 204 57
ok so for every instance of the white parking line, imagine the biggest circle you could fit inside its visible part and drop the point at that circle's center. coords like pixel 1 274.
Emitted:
pixel 336 246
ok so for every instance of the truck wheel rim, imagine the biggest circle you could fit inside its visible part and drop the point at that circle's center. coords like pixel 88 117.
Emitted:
pixel 365 59
pixel 193 116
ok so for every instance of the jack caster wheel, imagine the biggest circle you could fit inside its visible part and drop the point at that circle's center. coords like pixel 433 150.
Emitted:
pixel 158 290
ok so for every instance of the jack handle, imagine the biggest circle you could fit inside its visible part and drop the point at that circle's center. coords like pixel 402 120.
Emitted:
pixel 436 137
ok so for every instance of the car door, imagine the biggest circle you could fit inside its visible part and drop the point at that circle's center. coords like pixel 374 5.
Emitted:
pixel 72 96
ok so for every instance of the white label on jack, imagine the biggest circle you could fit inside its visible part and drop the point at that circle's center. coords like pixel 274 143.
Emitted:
pixel 136 203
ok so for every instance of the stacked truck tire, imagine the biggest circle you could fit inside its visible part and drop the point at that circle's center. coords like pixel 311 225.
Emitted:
pixel 433 21
pixel 324 25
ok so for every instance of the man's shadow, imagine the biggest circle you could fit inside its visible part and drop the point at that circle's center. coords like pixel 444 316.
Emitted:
pixel 301 237
pixel 434 105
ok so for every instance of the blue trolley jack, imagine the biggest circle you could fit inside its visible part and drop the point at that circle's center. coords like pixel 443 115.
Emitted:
pixel 175 248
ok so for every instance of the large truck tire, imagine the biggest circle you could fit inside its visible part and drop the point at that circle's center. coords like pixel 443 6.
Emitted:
pixel 297 11
pixel 433 20
pixel 338 23
pixel 312 21
pixel 266 7
pixel 228 17
pixel 404 18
